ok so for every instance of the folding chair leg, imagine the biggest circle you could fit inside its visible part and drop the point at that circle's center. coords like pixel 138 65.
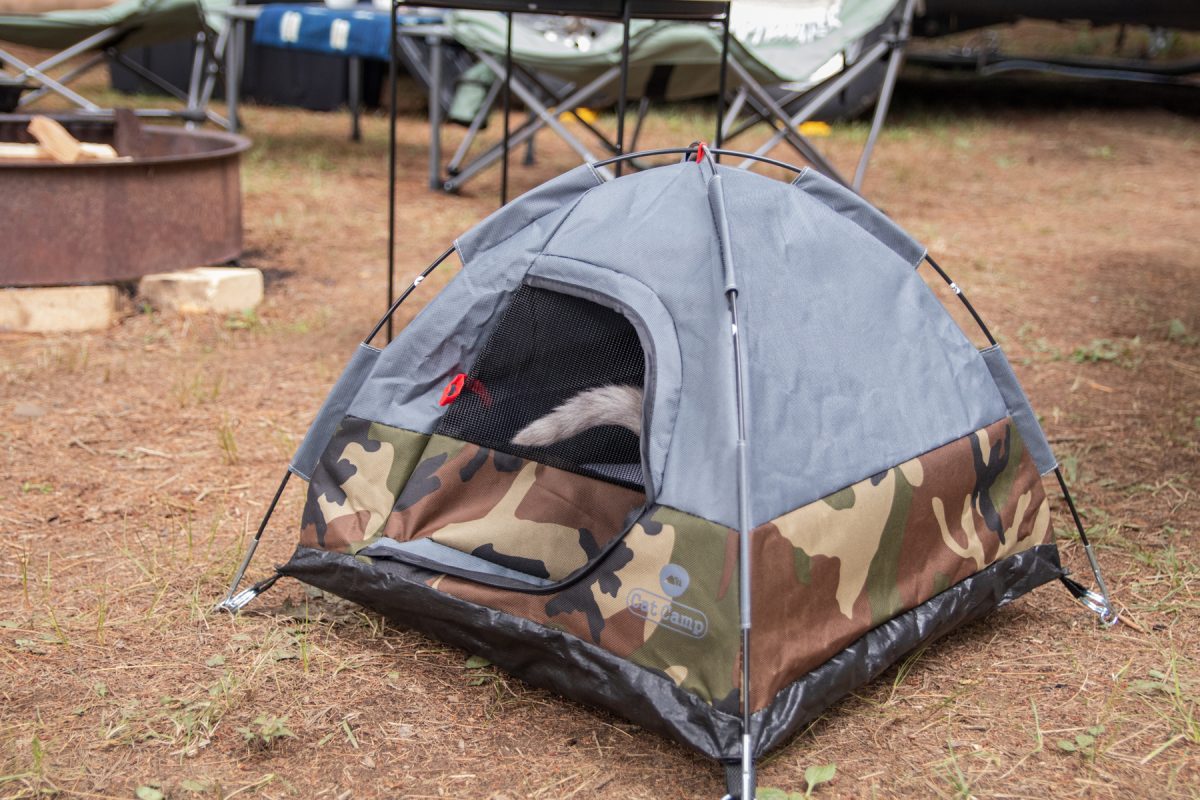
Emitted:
pixel 731 115
pixel 193 92
pixel 78 71
pixel 29 71
pixel 544 117
pixel 530 100
pixel 557 102
pixel 491 154
pixel 810 108
pixel 789 133
pixel 216 58
pixel 148 76
pixel 489 102
pixel 895 61
pixel 643 109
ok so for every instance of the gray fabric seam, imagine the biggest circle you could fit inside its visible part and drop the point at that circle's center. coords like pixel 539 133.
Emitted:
pixel 804 173
pixel 499 242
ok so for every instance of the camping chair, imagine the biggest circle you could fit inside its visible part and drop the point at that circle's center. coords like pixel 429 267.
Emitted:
pixel 105 34
pixel 680 61
pixel 843 47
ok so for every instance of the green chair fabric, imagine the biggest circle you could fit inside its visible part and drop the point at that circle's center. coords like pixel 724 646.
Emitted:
pixel 148 22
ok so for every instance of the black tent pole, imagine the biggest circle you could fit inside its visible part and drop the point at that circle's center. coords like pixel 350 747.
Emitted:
pixel 954 287
pixel 233 603
pixel 391 237
pixel 623 96
pixel 1100 603
pixel 720 137
pixel 508 68
pixel 387 317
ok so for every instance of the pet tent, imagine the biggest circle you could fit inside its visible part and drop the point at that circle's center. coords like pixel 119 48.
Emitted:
pixel 817 449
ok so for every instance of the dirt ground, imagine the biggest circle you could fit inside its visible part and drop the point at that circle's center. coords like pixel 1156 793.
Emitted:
pixel 135 463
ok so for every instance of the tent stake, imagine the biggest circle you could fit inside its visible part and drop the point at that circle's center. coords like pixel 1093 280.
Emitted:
pixel 1100 603
pixel 234 603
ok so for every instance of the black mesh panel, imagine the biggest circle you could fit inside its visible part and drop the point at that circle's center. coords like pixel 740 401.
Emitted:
pixel 547 348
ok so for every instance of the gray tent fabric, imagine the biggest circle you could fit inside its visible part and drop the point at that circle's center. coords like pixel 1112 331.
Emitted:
pixel 849 204
pixel 1019 409
pixel 333 409
pixel 916 383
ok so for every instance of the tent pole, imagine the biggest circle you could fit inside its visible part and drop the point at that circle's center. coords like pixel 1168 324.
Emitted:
pixel 716 201
pixel 1102 603
pixel 387 317
pixel 954 287
pixel 234 602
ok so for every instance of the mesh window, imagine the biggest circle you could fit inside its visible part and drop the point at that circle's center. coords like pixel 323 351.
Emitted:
pixel 549 348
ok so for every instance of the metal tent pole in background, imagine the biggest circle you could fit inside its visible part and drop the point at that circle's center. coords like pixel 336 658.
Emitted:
pixel 623 94
pixel 507 101
pixel 391 215
pixel 722 82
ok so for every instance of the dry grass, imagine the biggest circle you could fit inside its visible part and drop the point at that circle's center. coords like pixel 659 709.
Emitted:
pixel 128 500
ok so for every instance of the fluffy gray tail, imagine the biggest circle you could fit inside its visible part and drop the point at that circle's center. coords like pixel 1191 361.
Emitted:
pixel 604 405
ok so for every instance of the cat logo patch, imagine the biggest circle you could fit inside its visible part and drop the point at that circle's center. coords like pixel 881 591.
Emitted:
pixel 674 580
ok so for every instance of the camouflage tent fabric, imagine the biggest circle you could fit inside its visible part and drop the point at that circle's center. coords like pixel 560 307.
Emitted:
pixel 894 488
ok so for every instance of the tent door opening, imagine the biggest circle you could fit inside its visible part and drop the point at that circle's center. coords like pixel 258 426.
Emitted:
pixel 536 468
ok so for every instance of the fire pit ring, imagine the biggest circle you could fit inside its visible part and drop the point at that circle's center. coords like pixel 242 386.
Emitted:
pixel 176 203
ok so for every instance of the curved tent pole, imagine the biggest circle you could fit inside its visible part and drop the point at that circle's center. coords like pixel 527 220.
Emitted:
pixel 954 287
pixel 691 151
pixel 387 317
pixel 234 600
pixel 1099 602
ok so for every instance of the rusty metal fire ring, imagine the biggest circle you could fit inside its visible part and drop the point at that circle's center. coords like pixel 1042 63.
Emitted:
pixel 176 204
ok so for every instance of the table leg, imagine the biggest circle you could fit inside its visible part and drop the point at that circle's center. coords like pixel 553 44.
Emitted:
pixel 355 87
pixel 233 72
pixel 435 112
